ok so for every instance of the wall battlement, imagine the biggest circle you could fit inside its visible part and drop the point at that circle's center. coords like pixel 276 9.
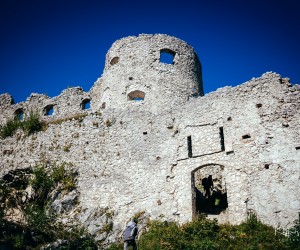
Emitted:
pixel 148 126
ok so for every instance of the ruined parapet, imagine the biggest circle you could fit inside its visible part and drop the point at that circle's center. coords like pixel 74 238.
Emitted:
pixel 136 74
pixel 71 101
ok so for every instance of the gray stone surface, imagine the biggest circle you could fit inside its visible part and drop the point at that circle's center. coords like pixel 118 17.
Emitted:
pixel 133 156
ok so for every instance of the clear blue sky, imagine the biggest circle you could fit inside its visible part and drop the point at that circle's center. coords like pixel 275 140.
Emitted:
pixel 49 45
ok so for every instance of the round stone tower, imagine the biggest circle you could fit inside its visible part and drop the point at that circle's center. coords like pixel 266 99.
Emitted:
pixel 149 72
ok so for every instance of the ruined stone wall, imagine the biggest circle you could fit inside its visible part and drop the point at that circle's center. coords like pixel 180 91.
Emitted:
pixel 261 154
pixel 68 103
pixel 137 159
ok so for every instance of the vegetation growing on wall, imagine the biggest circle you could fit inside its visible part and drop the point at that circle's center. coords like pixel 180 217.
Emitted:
pixel 29 125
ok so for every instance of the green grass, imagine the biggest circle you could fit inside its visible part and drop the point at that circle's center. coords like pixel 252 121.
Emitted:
pixel 9 128
pixel 32 123
pixel 64 175
pixel 205 234
pixel 294 235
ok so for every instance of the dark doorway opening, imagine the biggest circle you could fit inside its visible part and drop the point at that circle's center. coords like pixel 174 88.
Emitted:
pixel 209 190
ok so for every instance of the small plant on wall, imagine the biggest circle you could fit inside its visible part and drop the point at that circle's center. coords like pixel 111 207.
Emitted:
pixel 29 125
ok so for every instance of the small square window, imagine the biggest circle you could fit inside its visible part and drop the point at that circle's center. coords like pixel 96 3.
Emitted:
pixel 167 56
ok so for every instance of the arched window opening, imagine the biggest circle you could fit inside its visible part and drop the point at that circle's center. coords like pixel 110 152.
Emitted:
pixel 114 61
pixel 86 104
pixel 48 110
pixel 19 114
pixel 167 56
pixel 209 190
pixel 136 95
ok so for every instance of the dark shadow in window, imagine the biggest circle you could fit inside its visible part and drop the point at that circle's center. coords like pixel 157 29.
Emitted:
pixel 86 104
pixel 48 110
pixel 19 114
pixel 114 61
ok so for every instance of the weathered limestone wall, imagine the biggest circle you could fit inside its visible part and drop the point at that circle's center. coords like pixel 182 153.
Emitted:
pixel 132 157
pixel 263 168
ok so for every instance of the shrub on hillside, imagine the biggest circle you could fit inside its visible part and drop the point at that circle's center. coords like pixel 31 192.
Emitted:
pixel 205 234
pixel 252 234
pixel 294 235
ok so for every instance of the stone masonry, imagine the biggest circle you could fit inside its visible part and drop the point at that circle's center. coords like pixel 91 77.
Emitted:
pixel 149 137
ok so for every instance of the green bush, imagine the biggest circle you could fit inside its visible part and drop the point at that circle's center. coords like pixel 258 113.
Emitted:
pixel 9 128
pixel 30 125
pixel 42 183
pixel 199 234
pixel 252 234
pixel 294 235
pixel 38 218
pixel 117 246
pixel 77 238
pixel 64 176
pixel 41 226
pixel 204 234
pixel 18 241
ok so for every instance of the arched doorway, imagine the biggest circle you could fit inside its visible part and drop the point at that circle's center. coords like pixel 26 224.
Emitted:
pixel 209 194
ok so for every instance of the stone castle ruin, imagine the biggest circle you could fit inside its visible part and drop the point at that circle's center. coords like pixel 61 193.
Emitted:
pixel 148 139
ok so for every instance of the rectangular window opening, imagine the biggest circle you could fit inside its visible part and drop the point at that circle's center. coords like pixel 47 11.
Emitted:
pixel 247 136
pixel 297 148
pixel 189 144
pixel 221 132
pixel 167 56
pixel 229 152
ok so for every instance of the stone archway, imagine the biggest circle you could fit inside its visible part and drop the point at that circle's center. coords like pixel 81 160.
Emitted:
pixel 209 194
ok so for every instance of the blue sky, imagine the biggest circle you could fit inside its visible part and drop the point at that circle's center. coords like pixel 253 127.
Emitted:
pixel 49 45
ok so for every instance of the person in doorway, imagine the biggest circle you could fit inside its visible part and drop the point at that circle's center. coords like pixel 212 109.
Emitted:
pixel 129 234
pixel 207 185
